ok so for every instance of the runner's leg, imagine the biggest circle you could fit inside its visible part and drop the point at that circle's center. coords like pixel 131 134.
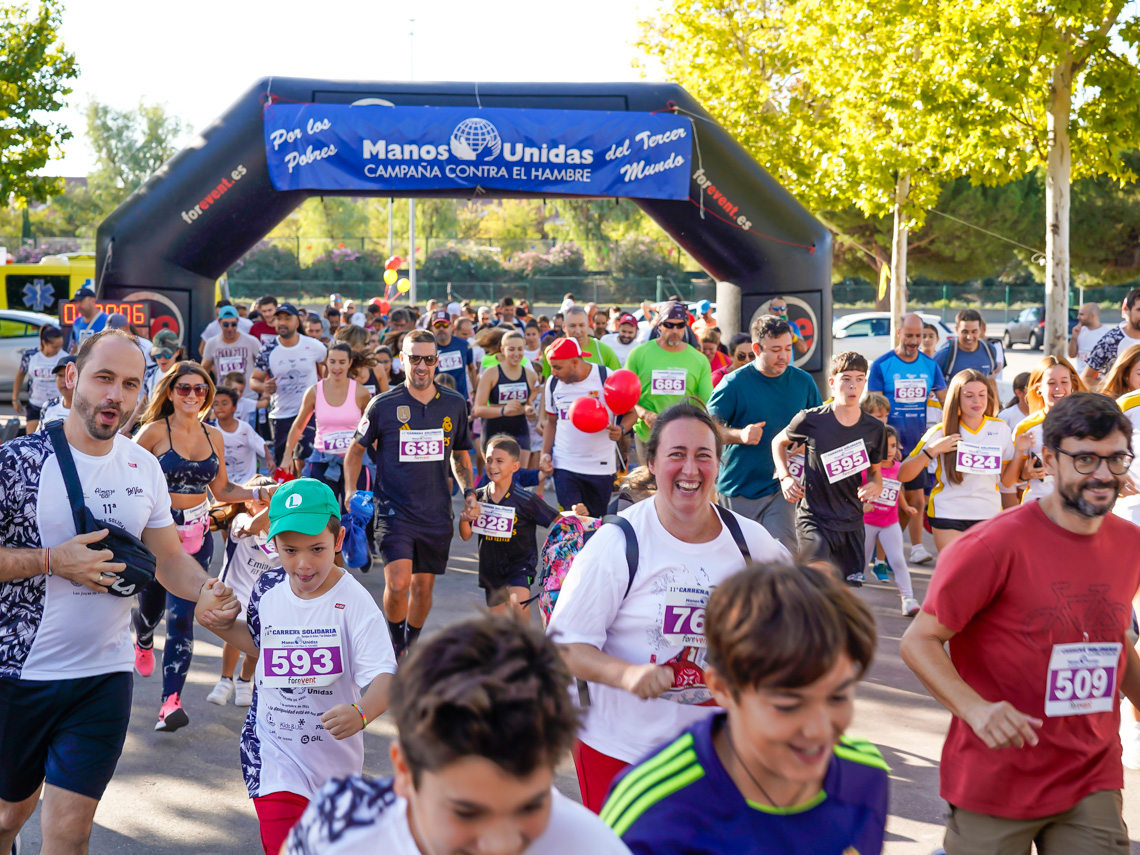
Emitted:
pixel 1093 826
pixel 397 585
pixel 943 537
pixel 66 819
pixel 891 538
pixel 870 538
pixel 423 587
pixel 13 815
pixel 778 516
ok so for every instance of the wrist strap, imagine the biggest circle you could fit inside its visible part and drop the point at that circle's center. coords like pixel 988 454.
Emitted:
pixel 363 717
pixel 47 561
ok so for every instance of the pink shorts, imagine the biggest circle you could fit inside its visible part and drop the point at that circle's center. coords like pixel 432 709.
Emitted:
pixel 278 813
pixel 596 771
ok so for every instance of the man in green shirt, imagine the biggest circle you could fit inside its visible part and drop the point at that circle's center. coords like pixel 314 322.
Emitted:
pixel 577 327
pixel 754 403
pixel 670 371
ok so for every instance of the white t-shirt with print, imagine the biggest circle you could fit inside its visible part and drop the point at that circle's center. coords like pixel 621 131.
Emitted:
pixel 328 650
pixel 1037 488
pixel 214 328
pixel 1086 340
pixel 239 355
pixel 247 558
pixel 83 632
pixel 243 447
pixel 575 451
pixel 358 815
pixel 622 350
pixel 38 372
pixel 644 626
pixel 294 369
pixel 977 497
pixel 53 411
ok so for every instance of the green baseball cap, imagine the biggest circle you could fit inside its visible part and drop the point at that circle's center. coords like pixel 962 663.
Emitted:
pixel 303 505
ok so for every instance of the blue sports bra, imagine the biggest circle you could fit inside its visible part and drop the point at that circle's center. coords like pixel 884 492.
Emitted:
pixel 188 477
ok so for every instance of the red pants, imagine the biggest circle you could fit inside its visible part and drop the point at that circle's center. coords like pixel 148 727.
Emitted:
pixel 596 771
pixel 277 813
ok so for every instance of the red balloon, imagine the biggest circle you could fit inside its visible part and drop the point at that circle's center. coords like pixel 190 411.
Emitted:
pixel 589 415
pixel 393 263
pixel 385 307
pixel 623 390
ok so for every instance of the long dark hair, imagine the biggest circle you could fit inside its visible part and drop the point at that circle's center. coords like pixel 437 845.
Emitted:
pixel 160 406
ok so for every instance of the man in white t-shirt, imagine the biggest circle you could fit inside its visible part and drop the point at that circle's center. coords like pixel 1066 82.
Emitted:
pixel 66 658
pixel 214 327
pixel 1085 335
pixel 286 368
pixel 625 339
pixel 582 463
pixel 483 714
pixel 231 350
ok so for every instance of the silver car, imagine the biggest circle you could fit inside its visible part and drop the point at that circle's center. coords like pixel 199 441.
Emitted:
pixel 19 330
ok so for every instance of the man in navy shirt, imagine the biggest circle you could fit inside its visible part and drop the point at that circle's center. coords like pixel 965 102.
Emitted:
pixel 455 357
pixel 908 377
pixel 89 319
pixel 970 349
pixel 773 772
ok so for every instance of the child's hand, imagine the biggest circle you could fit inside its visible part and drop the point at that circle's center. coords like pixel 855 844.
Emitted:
pixel 868 508
pixel 343 721
pixel 580 510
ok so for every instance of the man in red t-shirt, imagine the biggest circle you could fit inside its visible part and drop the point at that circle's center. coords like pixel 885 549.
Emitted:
pixel 264 327
pixel 1035 605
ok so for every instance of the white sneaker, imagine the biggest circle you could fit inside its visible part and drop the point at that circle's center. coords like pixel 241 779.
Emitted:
pixel 1130 737
pixel 220 694
pixel 16 848
pixel 919 555
pixel 910 606
pixel 243 697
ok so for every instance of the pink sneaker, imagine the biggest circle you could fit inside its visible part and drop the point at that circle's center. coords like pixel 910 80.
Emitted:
pixel 171 716
pixel 144 660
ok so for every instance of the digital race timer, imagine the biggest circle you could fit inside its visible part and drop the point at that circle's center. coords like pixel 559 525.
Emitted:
pixel 137 312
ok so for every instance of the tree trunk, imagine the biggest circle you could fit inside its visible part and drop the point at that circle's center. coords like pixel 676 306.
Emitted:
pixel 898 256
pixel 1057 167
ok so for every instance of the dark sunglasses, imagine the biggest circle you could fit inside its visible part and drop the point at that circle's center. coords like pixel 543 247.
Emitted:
pixel 229 325
pixel 165 353
pixel 416 360
pixel 1087 463
pixel 183 390
pixel 779 309
pixel 749 356
pixel 674 325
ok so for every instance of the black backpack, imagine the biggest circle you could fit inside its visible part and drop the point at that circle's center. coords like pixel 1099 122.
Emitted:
pixel 126 548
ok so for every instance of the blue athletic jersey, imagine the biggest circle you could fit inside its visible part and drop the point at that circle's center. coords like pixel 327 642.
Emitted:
pixel 680 800
pixel 907 385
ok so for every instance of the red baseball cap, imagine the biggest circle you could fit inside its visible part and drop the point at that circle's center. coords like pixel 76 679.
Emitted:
pixel 565 348
pixel 627 318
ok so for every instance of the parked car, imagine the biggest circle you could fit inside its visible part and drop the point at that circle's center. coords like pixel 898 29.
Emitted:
pixel 869 333
pixel 1029 328
pixel 19 330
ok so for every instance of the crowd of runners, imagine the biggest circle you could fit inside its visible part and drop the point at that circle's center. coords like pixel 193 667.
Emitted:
pixel 699 590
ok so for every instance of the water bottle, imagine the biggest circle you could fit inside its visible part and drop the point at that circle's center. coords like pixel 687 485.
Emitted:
pixel 361 506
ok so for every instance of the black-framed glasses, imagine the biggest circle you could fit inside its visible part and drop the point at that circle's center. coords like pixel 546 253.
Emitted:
pixel 1086 463
pixel 674 325
pixel 416 360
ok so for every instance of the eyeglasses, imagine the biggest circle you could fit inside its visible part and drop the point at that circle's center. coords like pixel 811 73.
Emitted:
pixel 228 326
pixel 440 325
pixel 780 310
pixel 165 353
pixel 1086 463
pixel 745 357
pixel 416 360
pixel 183 390
pixel 673 325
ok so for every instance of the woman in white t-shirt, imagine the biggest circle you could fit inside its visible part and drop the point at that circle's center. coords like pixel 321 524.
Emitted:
pixel 970 448
pixel 1054 378
pixel 640 642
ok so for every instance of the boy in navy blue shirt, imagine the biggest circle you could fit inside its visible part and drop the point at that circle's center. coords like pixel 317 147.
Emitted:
pixel 508 517
pixel 773 773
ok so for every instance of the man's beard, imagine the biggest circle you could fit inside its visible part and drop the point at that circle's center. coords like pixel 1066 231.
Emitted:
pixel 624 339
pixel 1074 499
pixel 87 411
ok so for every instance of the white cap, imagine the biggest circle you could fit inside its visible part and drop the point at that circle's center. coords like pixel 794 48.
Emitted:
pixel 454 309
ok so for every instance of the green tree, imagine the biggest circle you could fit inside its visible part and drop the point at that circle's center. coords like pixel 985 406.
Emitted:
pixel 35 70
pixel 129 146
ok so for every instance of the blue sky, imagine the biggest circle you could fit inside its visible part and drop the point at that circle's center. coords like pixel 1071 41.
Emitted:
pixel 197 57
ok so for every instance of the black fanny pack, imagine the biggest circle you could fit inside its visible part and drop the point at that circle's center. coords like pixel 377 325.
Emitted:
pixel 126 548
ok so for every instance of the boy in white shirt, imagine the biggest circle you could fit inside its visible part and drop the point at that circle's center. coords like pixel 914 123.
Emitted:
pixel 323 642
pixel 483 714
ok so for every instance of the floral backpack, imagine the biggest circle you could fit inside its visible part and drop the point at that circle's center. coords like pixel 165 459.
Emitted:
pixel 566 538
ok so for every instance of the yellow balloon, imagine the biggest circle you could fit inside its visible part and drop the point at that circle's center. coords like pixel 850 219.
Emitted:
pixel 403 286
pixel 390 277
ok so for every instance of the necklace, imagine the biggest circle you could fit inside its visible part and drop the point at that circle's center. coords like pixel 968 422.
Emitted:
pixel 748 772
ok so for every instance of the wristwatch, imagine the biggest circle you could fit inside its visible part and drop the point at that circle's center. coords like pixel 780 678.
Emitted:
pixel 468 492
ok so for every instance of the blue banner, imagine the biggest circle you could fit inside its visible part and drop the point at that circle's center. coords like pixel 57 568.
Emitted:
pixel 577 152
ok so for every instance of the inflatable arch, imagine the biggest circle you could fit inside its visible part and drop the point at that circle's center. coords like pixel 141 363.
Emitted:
pixel 167 244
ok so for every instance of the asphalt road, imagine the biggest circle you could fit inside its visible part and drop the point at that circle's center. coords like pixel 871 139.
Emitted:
pixel 182 793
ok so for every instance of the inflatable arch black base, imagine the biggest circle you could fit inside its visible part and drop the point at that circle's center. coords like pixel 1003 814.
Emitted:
pixel 213 201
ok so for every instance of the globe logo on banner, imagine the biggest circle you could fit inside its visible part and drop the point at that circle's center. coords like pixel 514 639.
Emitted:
pixel 472 136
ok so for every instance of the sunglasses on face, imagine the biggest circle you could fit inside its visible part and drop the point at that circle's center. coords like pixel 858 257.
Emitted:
pixel 163 354
pixel 673 325
pixel 416 360
pixel 745 357
pixel 440 325
pixel 779 309
pixel 183 390
pixel 228 326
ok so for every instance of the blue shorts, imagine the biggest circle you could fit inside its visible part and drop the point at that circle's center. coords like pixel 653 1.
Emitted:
pixel 33 412
pixel 67 732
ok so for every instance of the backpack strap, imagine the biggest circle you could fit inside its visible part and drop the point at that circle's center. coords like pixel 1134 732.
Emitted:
pixel 631 551
pixel 68 471
pixel 952 357
pixel 553 386
pixel 602 372
pixel 991 352
pixel 733 525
